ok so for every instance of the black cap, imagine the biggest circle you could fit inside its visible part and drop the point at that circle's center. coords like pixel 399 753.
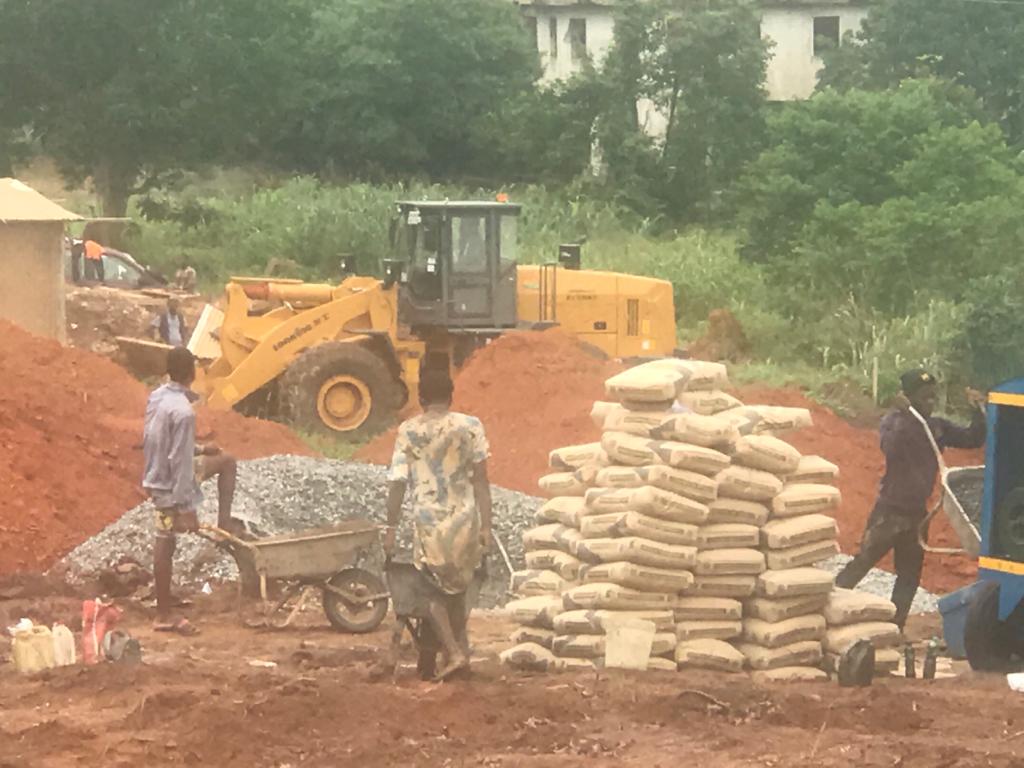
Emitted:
pixel 911 381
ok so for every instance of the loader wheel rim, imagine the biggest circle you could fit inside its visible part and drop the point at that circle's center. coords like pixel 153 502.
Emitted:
pixel 344 403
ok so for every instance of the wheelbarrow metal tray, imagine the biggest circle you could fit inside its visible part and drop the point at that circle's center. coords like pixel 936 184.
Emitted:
pixel 311 554
pixel 962 504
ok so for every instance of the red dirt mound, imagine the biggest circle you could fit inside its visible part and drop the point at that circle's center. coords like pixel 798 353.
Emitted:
pixel 855 450
pixel 70 446
pixel 533 392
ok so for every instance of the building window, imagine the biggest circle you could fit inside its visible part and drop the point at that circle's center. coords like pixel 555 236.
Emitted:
pixel 578 39
pixel 826 33
pixel 531 30
pixel 553 38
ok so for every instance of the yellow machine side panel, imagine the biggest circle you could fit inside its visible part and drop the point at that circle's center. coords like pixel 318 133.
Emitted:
pixel 623 315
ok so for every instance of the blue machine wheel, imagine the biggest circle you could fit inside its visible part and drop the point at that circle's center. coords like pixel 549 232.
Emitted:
pixel 988 641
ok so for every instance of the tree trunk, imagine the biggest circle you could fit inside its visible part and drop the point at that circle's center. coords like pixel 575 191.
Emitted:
pixel 113 183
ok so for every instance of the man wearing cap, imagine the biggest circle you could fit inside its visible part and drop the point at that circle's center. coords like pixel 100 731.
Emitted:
pixel 910 471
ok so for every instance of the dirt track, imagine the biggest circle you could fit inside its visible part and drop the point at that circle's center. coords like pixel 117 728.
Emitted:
pixel 199 702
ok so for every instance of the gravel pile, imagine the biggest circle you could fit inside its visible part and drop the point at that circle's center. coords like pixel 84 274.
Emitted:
pixel 879 582
pixel 283 494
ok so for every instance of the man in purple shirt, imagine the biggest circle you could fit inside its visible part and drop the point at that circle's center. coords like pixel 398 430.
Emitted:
pixel 910 471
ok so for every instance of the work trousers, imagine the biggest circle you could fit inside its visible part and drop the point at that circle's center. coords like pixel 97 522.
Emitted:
pixel 894 529
pixel 94 269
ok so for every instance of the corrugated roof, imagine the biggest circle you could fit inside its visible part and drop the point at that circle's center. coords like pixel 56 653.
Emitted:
pixel 19 202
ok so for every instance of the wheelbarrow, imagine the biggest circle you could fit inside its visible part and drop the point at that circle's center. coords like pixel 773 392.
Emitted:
pixel 959 498
pixel 328 560
pixel 413 595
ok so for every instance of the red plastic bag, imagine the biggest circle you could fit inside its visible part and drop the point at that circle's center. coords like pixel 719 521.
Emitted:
pixel 98 618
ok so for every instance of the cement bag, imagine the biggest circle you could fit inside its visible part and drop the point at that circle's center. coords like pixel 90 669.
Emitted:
pixel 805 499
pixel 633 549
pixel 562 563
pixel 587 474
pixel 695 458
pixel 804 554
pixel 726 509
pixel 766 453
pixel 584 622
pixel 806 653
pixel 630 450
pixel 707 609
pixel 648 501
pixel 750 484
pixel 697 429
pixel 619 477
pixel 708 630
pixel 533 582
pixel 782 608
pixel 728 536
pixel 534 611
pixel 562 484
pixel 658 664
pixel 729 562
pixel 708 403
pixel 529 657
pixel 600 411
pixel 640 423
pixel 789 675
pixel 551 536
pixel 592 646
pixel 567 510
pixel 794 582
pixel 679 481
pixel 642 577
pixel 882 634
pixel 575 456
pixel 775 634
pixel 645 384
pixel 732 586
pixel 845 606
pixel 541 637
pixel 768 419
pixel 601 526
pixel 794 531
pixel 814 470
pixel 569 664
pixel 699 374
pixel 615 597
pixel 717 655
pixel 653 528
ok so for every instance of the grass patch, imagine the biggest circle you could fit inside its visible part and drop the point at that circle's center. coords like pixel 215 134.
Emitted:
pixel 330 447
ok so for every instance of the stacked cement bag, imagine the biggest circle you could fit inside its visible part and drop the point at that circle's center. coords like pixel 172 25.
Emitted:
pixel 689 513
pixel 854 616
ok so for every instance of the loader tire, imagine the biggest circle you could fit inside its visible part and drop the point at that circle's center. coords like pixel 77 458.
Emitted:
pixel 988 641
pixel 340 389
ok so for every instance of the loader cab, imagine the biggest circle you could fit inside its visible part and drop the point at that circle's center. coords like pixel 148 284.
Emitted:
pixel 455 263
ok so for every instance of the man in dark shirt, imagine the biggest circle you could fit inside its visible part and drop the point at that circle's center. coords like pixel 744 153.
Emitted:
pixel 910 471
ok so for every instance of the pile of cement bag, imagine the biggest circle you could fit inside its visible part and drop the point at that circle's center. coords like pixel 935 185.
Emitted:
pixel 692 517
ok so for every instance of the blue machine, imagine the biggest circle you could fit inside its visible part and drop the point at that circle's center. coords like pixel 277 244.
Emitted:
pixel 994 628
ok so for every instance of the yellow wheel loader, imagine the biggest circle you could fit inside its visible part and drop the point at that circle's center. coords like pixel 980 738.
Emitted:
pixel 343 359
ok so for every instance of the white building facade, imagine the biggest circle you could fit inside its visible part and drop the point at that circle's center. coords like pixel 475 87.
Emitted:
pixel 569 33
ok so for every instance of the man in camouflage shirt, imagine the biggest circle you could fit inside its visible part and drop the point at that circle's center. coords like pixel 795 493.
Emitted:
pixel 440 457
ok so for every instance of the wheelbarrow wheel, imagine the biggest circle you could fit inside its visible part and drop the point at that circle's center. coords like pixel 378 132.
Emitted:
pixel 356 615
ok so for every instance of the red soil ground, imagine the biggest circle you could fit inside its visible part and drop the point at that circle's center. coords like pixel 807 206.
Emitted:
pixel 70 446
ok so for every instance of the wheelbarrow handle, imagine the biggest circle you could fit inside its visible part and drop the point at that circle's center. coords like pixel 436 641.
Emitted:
pixel 220 536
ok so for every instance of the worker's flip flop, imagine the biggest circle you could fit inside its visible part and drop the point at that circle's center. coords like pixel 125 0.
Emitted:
pixel 180 627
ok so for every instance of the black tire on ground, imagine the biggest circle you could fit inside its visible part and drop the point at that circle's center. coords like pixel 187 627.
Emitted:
pixel 376 393
pixel 987 640
pixel 358 617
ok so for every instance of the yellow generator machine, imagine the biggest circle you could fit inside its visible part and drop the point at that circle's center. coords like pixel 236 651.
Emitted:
pixel 344 359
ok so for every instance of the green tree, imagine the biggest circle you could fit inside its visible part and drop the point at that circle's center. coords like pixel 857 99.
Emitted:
pixel 125 90
pixel 975 44
pixel 891 197
pixel 698 68
pixel 401 86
